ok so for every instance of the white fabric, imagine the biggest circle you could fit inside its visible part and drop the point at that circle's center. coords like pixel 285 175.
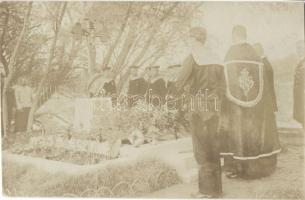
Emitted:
pixel 204 56
pixel 24 96
pixel 252 157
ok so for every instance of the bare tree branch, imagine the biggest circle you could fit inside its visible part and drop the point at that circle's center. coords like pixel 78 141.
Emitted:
pixel 121 31
pixel 60 13
pixel 152 34
pixel 6 20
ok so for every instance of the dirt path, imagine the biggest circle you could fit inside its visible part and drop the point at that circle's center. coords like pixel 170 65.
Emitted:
pixel 287 182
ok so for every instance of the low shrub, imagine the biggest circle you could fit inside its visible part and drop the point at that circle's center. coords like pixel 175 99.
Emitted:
pixel 129 180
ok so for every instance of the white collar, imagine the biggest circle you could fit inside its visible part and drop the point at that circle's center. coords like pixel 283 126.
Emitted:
pixel 152 80
pixel 131 78
pixel 171 79
pixel 204 56
pixel 240 42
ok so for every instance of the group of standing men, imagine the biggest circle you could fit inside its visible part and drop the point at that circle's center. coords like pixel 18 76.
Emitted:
pixel 149 86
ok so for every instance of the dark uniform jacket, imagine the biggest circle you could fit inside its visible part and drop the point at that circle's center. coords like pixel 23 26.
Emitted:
pixel 156 91
pixel 207 80
pixel 110 91
pixel 173 100
pixel 136 90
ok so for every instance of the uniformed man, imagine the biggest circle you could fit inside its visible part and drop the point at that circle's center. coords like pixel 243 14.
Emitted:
pixel 137 87
pixel 108 86
pixel 299 86
pixel 203 72
pixel 146 74
pixel 156 88
pixel 249 138
pixel 171 90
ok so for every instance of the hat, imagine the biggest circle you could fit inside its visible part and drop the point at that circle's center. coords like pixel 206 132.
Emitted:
pixel 155 67
pixel 199 33
pixel 240 31
pixel 173 66
pixel 106 68
pixel 134 67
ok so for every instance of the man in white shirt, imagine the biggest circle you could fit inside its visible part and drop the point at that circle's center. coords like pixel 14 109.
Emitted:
pixel 24 99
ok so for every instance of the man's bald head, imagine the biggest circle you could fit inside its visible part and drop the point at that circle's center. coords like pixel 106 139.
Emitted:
pixel 300 48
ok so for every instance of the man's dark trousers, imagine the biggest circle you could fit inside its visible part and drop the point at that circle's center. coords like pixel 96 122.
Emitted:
pixel 206 150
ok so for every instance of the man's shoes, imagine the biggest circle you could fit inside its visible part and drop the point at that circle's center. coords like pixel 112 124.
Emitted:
pixel 232 175
pixel 199 195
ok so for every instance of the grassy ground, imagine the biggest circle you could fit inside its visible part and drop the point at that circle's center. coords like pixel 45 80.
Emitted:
pixel 129 180
pixel 287 182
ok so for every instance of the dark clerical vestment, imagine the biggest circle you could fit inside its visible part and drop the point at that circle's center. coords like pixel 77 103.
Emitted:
pixel 156 91
pixel 250 137
pixel 206 83
pixel 269 79
pixel 136 90
pixel 299 93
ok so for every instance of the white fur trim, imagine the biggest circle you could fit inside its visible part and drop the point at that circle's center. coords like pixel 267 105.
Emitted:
pixel 252 157
pixel 204 56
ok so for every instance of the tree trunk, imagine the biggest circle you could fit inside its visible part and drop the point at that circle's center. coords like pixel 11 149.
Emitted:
pixel 4 25
pixel 49 65
pixel 91 53
pixel 117 40
pixel 125 50
pixel 11 70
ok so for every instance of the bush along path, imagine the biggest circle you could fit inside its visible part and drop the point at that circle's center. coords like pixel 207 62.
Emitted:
pixel 135 179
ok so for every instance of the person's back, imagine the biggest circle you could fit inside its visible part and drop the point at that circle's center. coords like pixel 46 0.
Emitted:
pixel 248 139
pixel 207 77
pixel 203 73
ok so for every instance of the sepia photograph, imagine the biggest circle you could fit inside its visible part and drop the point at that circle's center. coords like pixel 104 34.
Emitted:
pixel 152 99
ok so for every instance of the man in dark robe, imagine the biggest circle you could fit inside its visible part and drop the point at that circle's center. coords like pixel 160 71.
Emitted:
pixel 137 87
pixel 203 72
pixel 299 87
pixel 269 128
pixel 156 88
pixel 250 142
